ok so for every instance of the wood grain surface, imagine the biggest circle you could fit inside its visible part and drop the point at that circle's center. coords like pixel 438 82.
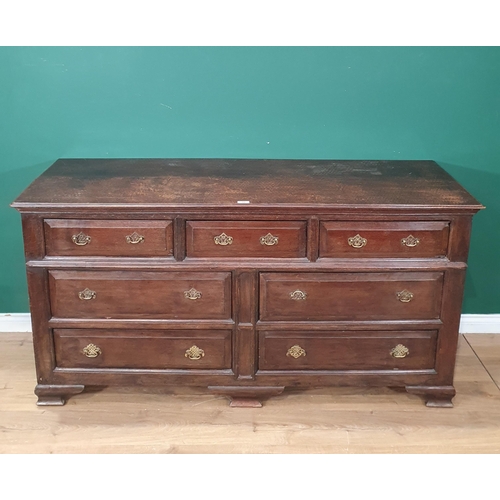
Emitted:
pixel 187 420
pixel 225 182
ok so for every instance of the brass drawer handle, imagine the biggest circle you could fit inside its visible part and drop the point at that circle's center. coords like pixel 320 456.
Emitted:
pixel 192 294
pixel 410 241
pixel 194 352
pixel 134 238
pixel 223 239
pixel 296 351
pixel 92 351
pixel 298 295
pixel 400 351
pixel 405 296
pixel 357 241
pixel 87 294
pixel 81 239
pixel 269 240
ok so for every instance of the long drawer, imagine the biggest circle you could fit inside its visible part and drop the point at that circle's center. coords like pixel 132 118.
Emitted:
pixel 404 350
pixel 227 239
pixel 350 296
pixel 148 349
pixel 112 238
pixel 136 295
pixel 384 239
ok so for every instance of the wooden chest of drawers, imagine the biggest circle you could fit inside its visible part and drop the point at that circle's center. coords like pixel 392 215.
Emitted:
pixel 245 276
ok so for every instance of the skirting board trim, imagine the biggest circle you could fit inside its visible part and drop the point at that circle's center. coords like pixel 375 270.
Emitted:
pixel 15 322
pixel 480 323
pixel 469 323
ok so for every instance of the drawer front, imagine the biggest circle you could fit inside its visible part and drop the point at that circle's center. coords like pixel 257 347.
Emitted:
pixel 122 238
pixel 245 239
pixel 136 295
pixel 356 351
pixel 383 239
pixel 153 349
pixel 350 296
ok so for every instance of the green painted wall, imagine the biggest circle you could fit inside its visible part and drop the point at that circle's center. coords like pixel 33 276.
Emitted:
pixel 440 103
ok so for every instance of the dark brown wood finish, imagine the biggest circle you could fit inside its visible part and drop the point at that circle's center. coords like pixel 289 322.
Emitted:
pixel 128 284
pixel 142 349
pixel 179 238
pixel 34 237
pixel 267 239
pixel 56 395
pixel 349 296
pixel 108 238
pixel 313 239
pixel 384 239
pixel 42 335
pixel 347 351
pixel 123 294
pixel 183 183
pixel 245 341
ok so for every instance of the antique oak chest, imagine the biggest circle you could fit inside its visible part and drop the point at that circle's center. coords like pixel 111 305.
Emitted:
pixel 245 276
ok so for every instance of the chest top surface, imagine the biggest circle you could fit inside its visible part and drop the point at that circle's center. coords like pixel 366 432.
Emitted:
pixel 263 183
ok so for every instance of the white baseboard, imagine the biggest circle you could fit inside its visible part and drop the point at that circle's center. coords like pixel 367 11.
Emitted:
pixel 480 323
pixel 469 323
pixel 15 322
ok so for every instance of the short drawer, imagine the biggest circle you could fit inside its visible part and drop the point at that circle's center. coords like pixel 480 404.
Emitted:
pixel 153 349
pixel 112 238
pixel 403 350
pixel 245 239
pixel 136 295
pixel 350 296
pixel 383 239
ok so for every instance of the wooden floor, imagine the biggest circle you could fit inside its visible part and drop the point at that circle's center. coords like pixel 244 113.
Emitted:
pixel 335 420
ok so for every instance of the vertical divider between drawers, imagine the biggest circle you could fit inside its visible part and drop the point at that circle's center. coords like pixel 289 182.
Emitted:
pixel 312 239
pixel 179 238
pixel 245 344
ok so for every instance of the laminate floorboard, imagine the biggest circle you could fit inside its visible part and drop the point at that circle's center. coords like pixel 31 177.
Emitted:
pixel 189 421
pixel 487 349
